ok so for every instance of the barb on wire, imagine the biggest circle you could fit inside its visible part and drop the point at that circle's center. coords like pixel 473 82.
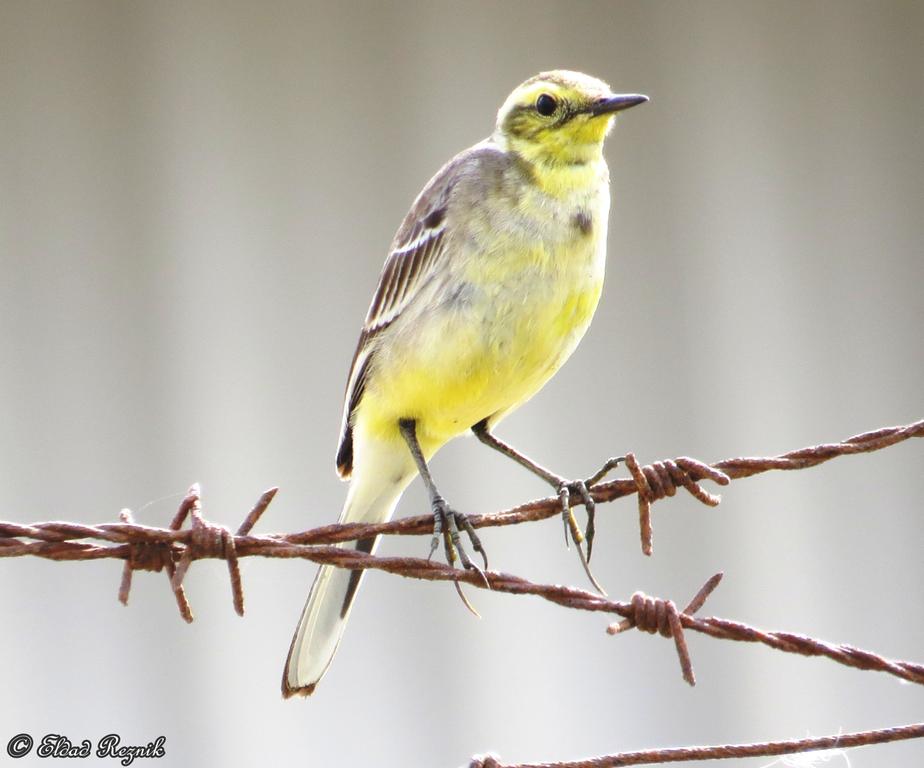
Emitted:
pixel 174 549
pixel 66 533
pixel 651 614
pixel 658 483
pixel 725 751
pixel 578 599
pixel 638 610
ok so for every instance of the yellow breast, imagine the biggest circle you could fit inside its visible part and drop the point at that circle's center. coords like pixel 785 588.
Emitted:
pixel 517 296
pixel 485 355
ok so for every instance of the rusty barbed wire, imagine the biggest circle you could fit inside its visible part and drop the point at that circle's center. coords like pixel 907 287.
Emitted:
pixel 725 751
pixel 684 471
pixel 572 597
pixel 652 614
pixel 636 611
pixel 173 550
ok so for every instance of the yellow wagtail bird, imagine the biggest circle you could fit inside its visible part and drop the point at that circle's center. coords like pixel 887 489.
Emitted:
pixel 491 281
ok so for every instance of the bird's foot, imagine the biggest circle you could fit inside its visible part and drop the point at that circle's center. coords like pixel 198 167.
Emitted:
pixel 580 491
pixel 446 524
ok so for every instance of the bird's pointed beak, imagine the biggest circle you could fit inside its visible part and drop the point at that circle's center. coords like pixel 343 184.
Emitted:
pixel 610 104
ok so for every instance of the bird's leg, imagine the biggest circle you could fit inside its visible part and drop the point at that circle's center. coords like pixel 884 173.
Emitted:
pixel 443 515
pixel 565 488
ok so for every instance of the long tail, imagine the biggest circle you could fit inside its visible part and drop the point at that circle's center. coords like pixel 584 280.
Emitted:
pixel 371 499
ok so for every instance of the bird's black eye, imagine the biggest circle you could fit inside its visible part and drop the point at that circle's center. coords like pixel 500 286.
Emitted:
pixel 546 105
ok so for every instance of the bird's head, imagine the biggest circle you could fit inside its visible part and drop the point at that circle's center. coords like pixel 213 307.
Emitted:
pixel 560 117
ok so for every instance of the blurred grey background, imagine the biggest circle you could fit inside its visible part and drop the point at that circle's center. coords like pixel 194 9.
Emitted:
pixel 195 202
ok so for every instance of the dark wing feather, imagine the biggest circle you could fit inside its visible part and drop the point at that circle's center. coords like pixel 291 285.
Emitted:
pixel 406 269
pixel 416 252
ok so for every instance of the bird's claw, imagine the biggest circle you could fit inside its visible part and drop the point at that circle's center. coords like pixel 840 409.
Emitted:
pixel 466 525
pixel 446 524
pixel 580 489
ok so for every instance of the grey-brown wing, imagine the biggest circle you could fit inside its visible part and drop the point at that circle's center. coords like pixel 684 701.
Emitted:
pixel 416 253
pixel 410 262
pixel 404 273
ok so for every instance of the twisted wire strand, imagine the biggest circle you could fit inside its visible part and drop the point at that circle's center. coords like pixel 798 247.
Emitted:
pixel 721 472
pixel 725 751
pixel 173 550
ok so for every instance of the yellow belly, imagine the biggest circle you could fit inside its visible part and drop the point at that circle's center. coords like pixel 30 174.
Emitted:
pixel 453 367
